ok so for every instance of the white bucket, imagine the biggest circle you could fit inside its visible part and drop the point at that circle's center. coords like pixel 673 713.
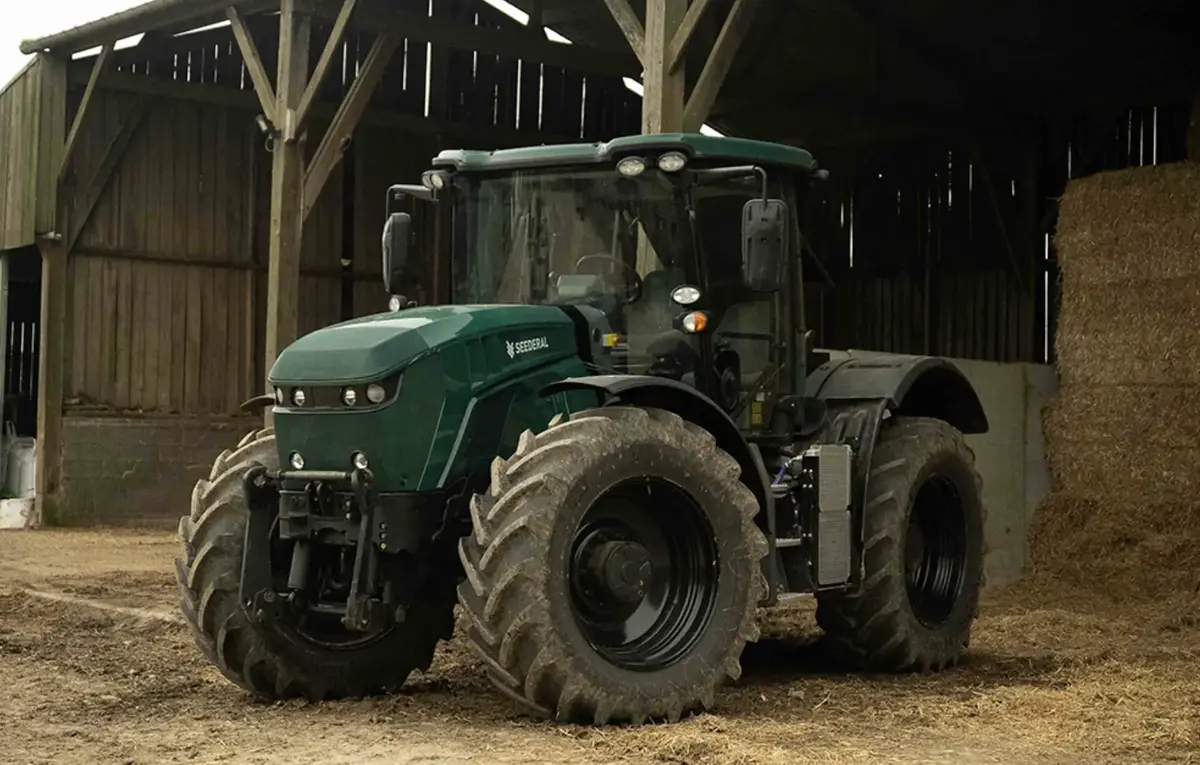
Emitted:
pixel 21 476
pixel 15 513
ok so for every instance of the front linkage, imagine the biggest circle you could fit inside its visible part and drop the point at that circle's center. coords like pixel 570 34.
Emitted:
pixel 336 509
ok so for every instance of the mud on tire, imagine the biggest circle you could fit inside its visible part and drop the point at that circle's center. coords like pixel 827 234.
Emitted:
pixel 270 660
pixel 519 599
pixel 923 557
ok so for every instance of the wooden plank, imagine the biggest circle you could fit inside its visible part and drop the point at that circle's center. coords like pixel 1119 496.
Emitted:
pixel 631 26
pixel 663 103
pixel 104 174
pixel 254 66
pixel 84 106
pixel 332 147
pixel 332 46
pixel 683 35
pixel 123 334
pixel 51 130
pixel 720 60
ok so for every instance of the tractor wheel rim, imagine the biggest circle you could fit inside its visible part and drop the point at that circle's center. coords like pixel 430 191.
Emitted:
pixel 936 551
pixel 643 574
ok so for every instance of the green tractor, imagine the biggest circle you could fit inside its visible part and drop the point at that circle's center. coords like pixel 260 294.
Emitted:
pixel 613 446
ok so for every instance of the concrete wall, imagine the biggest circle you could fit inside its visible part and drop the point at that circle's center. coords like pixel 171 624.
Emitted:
pixel 139 470
pixel 1010 457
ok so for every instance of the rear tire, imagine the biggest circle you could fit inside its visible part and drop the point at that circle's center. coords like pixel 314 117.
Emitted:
pixel 923 557
pixel 271 660
pixel 543 634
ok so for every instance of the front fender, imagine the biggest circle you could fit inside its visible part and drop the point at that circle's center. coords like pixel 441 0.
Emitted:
pixel 913 386
pixel 688 403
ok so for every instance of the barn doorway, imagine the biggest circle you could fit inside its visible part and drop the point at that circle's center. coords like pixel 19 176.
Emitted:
pixel 22 339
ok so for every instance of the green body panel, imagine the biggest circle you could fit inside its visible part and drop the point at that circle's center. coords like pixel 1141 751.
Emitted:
pixel 695 145
pixel 470 385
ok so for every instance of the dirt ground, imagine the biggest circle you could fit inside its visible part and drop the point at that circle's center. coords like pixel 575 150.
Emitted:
pixel 1056 676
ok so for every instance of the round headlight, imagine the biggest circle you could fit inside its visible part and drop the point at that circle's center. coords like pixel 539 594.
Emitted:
pixel 686 295
pixel 349 397
pixel 394 303
pixel 672 162
pixel 297 461
pixel 279 396
pixel 631 167
pixel 360 461
pixel 375 393
pixel 298 397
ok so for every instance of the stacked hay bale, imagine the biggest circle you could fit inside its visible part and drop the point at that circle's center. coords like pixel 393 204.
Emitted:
pixel 1123 437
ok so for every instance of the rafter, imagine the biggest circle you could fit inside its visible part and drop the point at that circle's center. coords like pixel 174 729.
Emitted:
pixel 331 47
pixel 684 34
pixel 82 112
pixel 720 60
pixel 631 26
pixel 254 64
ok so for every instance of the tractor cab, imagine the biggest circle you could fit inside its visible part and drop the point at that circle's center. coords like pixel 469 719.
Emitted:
pixel 678 255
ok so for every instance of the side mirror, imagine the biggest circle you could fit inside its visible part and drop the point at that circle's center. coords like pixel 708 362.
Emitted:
pixel 397 234
pixel 764 244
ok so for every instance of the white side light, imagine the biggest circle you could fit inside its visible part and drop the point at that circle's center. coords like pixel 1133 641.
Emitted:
pixel 394 304
pixel 298 397
pixel 297 461
pixel 349 397
pixel 686 295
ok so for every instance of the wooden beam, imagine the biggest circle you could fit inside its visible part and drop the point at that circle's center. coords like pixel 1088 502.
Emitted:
pixel 254 65
pixel 86 201
pixel 720 60
pixel 333 146
pixel 51 366
pixel 81 114
pixel 494 135
pixel 683 35
pixel 663 96
pixel 287 189
pixel 331 48
pixel 518 42
pixel 146 16
pixel 631 26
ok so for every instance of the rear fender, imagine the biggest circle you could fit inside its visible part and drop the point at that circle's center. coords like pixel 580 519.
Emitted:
pixel 859 391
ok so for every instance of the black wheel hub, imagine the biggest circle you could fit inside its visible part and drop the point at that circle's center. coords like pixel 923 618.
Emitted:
pixel 643 576
pixel 935 551
pixel 618 571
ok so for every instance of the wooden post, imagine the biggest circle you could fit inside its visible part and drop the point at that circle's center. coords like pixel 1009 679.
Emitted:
pixel 50 381
pixel 287 186
pixel 664 87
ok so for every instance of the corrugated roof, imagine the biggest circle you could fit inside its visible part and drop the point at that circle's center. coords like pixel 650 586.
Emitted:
pixel 155 14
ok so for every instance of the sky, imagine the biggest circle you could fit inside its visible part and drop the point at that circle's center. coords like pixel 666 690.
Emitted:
pixel 27 19
pixel 22 19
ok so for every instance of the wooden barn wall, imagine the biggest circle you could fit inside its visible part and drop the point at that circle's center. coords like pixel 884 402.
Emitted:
pixel 947 248
pixel 23 157
pixel 168 277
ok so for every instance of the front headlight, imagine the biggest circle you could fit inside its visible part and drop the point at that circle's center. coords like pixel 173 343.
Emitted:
pixel 376 393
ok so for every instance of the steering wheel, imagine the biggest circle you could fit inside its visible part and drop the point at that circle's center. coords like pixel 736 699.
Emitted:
pixel 636 293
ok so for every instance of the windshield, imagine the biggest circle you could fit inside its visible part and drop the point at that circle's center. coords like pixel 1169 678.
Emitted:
pixel 548 237
pixel 617 246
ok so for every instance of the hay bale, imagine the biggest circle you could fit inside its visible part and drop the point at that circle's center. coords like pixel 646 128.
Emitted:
pixel 1123 436
pixel 1142 223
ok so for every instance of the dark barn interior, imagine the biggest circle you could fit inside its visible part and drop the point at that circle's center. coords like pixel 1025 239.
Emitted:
pixel 177 260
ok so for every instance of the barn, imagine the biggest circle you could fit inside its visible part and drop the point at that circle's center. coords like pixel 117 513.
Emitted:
pixel 188 186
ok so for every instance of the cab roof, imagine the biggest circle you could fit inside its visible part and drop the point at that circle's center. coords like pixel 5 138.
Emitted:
pixel 696 145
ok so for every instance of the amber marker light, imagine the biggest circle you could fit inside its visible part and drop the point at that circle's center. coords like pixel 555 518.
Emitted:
pixel 694 322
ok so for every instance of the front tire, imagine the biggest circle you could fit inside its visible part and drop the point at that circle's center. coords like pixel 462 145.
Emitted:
pixel 923 556
pixel 548 609
pixel 271 659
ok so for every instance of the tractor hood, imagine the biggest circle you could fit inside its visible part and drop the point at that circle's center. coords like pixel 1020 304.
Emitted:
pixel 373 347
